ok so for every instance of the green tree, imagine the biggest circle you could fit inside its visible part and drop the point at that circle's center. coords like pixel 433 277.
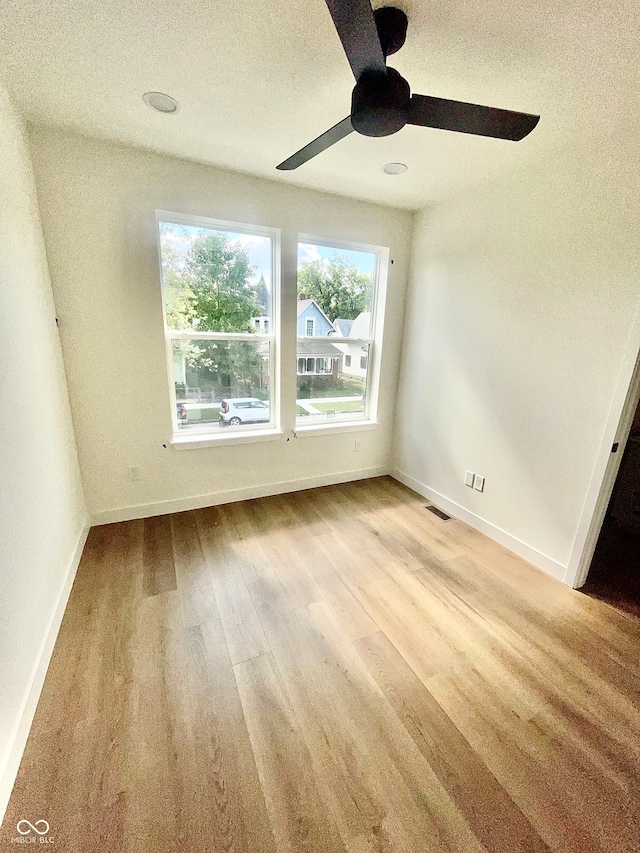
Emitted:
pixel 209 289
pixel 177 292
pixel 230 367
pixel 338 288
pixel 218 270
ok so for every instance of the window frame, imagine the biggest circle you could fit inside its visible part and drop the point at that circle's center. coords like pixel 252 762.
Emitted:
pixel 374 342
pixel 212 432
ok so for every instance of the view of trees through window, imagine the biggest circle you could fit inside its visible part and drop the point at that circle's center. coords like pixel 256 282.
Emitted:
pixel 335 302
pixel 215 284
pixel 336 284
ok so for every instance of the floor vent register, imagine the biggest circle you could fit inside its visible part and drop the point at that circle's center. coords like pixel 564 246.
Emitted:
pixel 439 513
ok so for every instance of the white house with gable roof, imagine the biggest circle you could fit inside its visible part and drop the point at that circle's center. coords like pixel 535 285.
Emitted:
pixel 355 356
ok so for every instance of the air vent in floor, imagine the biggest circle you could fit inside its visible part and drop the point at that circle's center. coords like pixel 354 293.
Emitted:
pixel 439 513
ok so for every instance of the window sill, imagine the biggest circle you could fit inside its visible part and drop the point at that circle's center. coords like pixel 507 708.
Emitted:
pixel 191 442
pixel 328 429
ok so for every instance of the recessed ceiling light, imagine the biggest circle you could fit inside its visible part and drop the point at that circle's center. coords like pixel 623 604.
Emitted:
pixel 394 168
pixel 161 102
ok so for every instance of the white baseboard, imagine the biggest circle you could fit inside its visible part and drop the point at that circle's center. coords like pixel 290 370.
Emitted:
pixel 127 513
pixel 532 555
pixel 24 719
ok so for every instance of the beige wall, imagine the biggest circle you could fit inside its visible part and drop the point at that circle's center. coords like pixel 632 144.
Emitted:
pixel 42 515
pixel 522 299
pixel 97 203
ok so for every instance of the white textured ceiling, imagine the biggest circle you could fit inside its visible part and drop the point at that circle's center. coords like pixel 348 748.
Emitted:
pixel 258 79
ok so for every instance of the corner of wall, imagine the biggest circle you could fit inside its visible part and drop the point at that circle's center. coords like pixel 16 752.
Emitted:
pixel 527 552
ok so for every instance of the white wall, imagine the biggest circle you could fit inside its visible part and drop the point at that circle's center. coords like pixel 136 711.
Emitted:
pixel 42 514
pixel 523 292
pixel 97 202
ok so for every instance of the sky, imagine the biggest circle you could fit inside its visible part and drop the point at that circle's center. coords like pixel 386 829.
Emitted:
pixel 259 248
pixel 364 261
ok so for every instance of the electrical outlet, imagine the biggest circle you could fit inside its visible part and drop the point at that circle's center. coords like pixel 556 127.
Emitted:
pixel 134 472
pixel 357 444
pixel 468 480
pixel 479 485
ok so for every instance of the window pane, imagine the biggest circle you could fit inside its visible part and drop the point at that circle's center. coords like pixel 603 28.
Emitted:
pixel 332 390
pixel 215 280
pixel 222 383
pixel 335 291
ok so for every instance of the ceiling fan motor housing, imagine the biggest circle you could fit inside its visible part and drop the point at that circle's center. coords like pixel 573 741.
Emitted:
pixel 380 103
pixel 391 24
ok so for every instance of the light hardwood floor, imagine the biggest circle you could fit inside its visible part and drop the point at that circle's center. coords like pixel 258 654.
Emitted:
pixel 332 670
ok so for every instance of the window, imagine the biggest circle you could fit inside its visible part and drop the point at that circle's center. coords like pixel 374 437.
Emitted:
pixel 218 285
pixel 337 297
pixel 220 292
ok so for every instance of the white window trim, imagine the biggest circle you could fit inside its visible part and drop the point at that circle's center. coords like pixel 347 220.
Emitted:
pixel 195 440
pixel 328 428
pixel 249 433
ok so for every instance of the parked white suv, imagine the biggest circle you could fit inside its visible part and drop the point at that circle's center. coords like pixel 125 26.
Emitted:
pixel 243 410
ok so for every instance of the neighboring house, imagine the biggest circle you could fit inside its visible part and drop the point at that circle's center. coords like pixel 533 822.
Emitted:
pixel 312 321
pixel 316 358
pixel 355 356
pixel 342 327
pixel 261 324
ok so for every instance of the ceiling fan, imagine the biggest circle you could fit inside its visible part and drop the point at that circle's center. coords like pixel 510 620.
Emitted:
pixel 382 103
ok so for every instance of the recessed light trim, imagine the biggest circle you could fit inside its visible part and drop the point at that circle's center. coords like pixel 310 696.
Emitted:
pixel 160 102
pixel 394 169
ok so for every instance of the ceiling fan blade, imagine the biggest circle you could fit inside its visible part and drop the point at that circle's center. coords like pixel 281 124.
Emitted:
pixel 324 141
pixel 426 111
pixel 356 26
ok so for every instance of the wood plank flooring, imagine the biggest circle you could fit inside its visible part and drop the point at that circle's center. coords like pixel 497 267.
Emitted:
pixel 331 671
